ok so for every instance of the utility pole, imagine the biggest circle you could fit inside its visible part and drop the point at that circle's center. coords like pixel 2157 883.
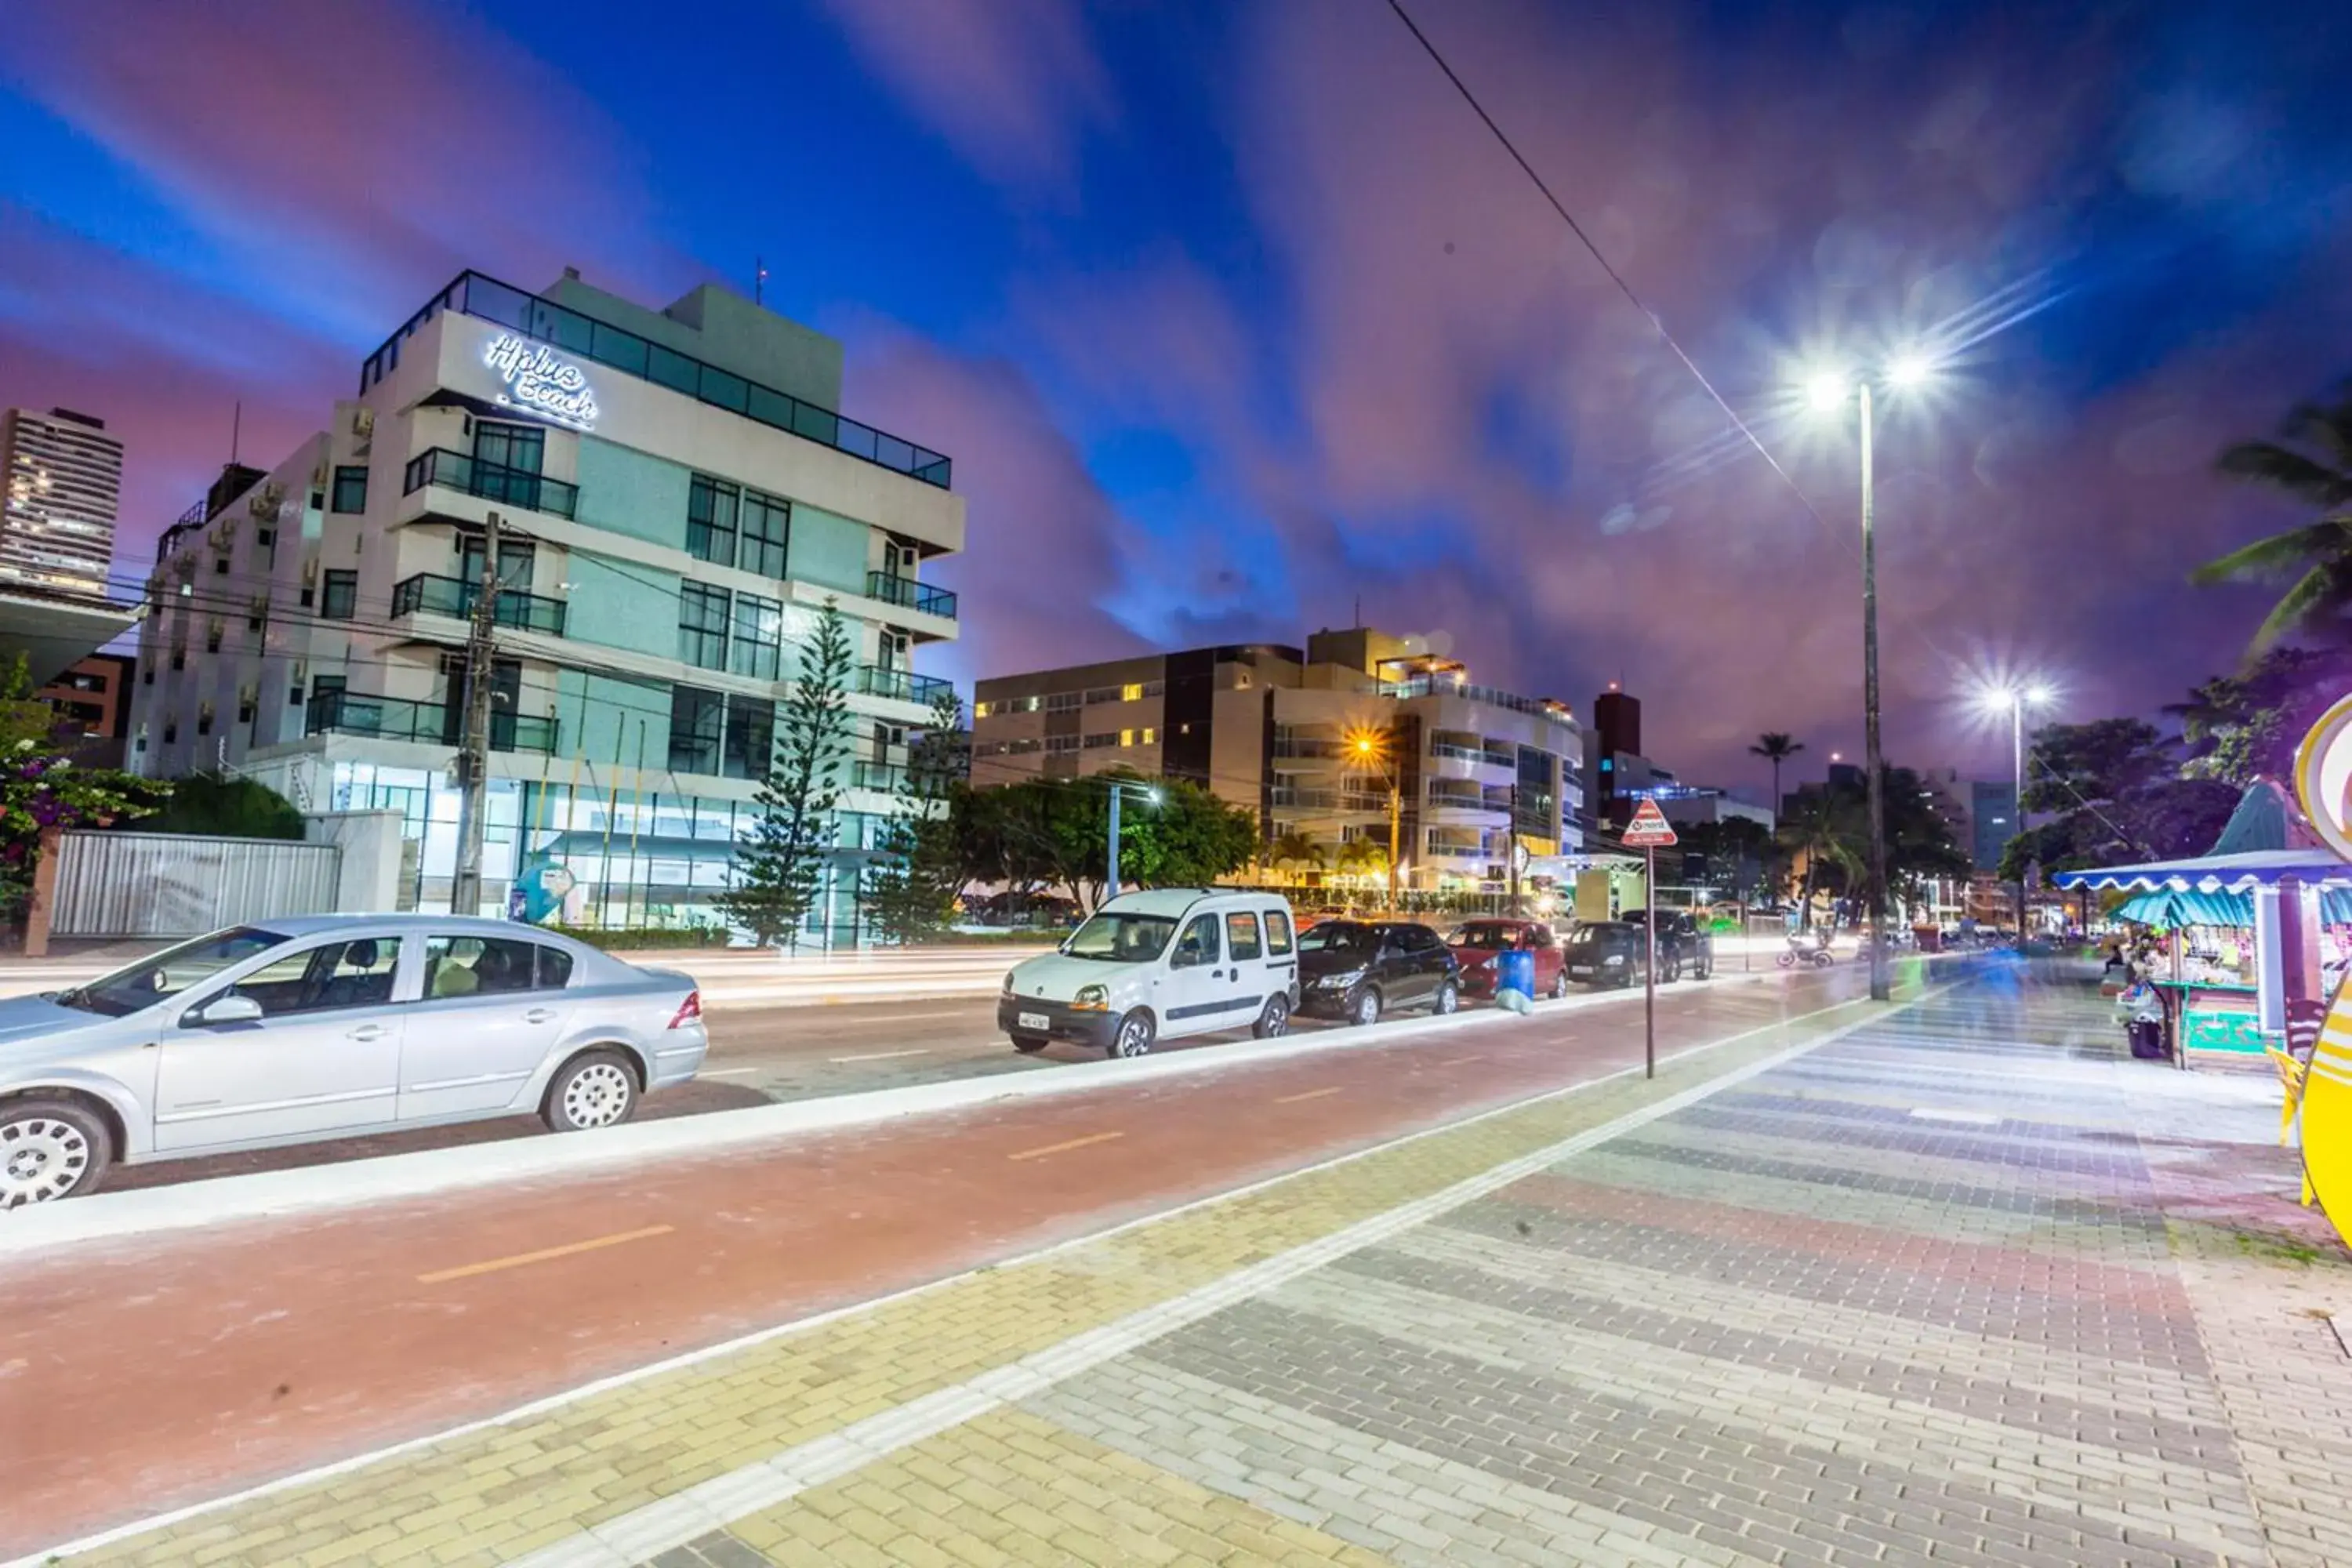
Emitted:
pixel 1880 989
pixel 474 752
pixel 1512 847
pixel 1396 818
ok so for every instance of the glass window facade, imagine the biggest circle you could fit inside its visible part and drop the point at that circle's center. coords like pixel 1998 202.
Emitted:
pixel 694 725
pixel 350 487
pixel 711 506
pixel 759 637
pixel 767 528
pixel 750 737
pixel 341 600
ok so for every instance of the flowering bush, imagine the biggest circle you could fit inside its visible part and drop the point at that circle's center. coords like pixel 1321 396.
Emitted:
pixel 39 790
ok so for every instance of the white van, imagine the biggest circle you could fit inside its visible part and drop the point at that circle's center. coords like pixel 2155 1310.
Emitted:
pixel 1157 966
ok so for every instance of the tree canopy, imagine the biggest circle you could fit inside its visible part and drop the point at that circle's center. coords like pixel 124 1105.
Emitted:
pixel 2312 464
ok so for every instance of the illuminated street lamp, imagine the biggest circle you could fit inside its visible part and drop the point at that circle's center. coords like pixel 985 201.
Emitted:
pixel 1372 746
pixel 2013 700
pixel 1150 796
pixel 1827 392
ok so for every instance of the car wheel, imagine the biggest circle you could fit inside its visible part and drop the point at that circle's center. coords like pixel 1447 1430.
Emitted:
pixel 1670 971
pixel 1364 1011
pixel 1275 1022
pixel 594 1089
pixel 1136 1033
pixel 1449 997
pixel 49 1149
pixel 1028 1045
pixel 1559 984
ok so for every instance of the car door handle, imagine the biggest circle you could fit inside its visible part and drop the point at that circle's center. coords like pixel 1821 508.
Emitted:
pixel 539 1016
pixel 369 1032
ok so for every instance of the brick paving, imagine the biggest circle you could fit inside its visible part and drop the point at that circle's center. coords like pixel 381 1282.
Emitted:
pixel 1959 1285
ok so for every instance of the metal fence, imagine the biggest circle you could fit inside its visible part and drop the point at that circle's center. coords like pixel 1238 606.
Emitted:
pixel 174 885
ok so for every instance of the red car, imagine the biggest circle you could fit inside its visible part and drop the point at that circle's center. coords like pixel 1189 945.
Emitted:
pixel 1477 945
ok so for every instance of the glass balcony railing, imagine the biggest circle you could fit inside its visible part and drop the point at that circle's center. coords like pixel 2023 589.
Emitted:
pixel 883 778
pixel 902 684
pixel 1328 799
pixel 1459 754
pixel 456 598
pixel 399 719
pixel 907 593
pixel 491 481
pixel 1310 746
pixel 472 294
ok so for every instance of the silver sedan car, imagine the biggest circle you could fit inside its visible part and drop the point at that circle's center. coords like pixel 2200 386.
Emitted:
pixel 324 1027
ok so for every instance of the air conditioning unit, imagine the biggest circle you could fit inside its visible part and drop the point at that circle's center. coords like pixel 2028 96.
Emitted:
pixel 319 474
pixel 223 535
pixel 248 694
pixel 310 572
pixel 364 423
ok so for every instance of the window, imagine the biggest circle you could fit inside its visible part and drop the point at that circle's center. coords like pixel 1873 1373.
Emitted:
pixel 1151 738
pixel 517 558
pixel 1057 743
pixel 1103 694
pixel 321 685
pixel 318 501
pixel 554 970
pixel 767 525
pixel 759 635
pixel 1130 693
pixel 1415 938
pixel 519 446
pixel 204 718
pixel 170 730
pixel 1278 933
pixel 1240 935
pixel 1199 943
pixel 702 625
pixel 265 537
pixel 711 508
pixel 220 565
pixel 1064 701
pixel 343 597
pixel 694 719
pixel 179 658
pixel 211 637
pixel 147 676
pixel 356 974
pixel 255 614
pixel 350 487
pixel 983 709
pixel 476 966
pixel 310 597
pixel 1107 738
pixel 750 737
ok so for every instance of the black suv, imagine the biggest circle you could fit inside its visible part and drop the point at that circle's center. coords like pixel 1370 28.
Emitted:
pixel 1357 970
pixel 1605 954
pixel 1686 946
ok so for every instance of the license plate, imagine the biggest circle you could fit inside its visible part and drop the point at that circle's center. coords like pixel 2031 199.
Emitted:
pixel 1582 969
pixel 1034 1021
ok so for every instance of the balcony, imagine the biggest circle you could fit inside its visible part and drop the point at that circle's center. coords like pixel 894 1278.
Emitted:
pixel 1291 798
pixel 1459 754
pixel 433 723
pixel 1457 852
pixel 908 594
pixel 883 778
pixel 485 299
pixel 1306 747
pixel 456 598
pixel 902 685
pixel 491 481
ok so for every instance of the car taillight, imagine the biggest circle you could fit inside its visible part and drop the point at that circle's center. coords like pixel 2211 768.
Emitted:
pixel 689 1011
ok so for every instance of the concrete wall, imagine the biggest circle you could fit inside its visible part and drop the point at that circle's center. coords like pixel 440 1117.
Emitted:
pixel 369 880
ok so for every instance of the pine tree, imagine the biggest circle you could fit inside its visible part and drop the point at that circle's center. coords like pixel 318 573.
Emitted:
pixel 779 867
pixel 911 886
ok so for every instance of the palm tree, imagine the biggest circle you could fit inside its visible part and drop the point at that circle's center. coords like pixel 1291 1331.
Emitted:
pixel 1776 748
pixel 1832 829
pixel 1294 848
pixel 1364 858
pixel 2317 554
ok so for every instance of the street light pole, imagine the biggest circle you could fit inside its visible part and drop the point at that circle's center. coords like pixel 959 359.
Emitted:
pixel 2017 749
pixel 1151 797
pixel 1880 990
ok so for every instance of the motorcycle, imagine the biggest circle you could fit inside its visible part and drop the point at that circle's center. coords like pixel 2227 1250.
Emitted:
pixel 1814 952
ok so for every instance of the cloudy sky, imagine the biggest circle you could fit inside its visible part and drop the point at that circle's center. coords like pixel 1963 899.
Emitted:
pixel 1231 315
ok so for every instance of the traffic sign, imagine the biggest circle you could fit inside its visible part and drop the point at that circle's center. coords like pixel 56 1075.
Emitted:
pixel 1649 829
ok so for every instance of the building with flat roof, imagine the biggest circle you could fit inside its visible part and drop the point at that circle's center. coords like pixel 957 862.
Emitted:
pixel 679 497
pixel 92 704
pixel 60 486
pixel 1311 740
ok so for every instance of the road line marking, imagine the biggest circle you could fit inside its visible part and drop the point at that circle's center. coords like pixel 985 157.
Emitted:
pixel 542 1255
pixel 727 1072
pixel 351 1464
pixel 881 1055
pixel 1310 1094
pixel 1073 1143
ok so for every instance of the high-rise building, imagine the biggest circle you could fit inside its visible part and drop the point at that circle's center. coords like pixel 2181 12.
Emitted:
pixel 61 484
pixel 1311 742
pixel 1992 813
pixel 678 498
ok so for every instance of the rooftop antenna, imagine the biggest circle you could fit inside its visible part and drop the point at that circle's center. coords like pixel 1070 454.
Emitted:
pixel 1360 612
pixel 759 280
pixel 236 430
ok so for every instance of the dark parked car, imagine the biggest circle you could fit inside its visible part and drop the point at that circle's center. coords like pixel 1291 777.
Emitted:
pixel 1357 970
pixel 1480 943
pixel 1686 945
pixel 1606 952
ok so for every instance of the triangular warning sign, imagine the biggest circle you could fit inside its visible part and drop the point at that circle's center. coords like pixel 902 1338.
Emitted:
pixel 1649 829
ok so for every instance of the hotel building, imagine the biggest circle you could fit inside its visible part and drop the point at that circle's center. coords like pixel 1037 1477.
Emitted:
pixel 677 497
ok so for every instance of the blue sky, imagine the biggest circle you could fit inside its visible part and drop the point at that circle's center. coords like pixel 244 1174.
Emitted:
pixel 1232 314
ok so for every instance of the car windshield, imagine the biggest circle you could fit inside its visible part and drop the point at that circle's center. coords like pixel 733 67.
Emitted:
pixel 1588 936
pixel 1338 936
pixel 164 975
pixel 1121 938
pixel 1490 938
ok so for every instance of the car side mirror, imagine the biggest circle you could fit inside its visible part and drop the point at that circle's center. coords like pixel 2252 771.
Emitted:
pixel 229 1009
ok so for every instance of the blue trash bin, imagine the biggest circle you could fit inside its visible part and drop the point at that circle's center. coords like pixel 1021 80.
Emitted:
pixel 1514 970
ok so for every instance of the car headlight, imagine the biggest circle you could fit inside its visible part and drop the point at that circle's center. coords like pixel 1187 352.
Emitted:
pixel 1007 990
pixel 1615 958
pixel 1092 999
pixel 1340 981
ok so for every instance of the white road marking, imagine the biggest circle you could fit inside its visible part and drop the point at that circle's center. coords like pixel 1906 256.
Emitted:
pixel 762 1336
pixel 882 1055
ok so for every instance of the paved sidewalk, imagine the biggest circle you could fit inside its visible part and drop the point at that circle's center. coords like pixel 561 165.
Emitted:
pixel 1911 1297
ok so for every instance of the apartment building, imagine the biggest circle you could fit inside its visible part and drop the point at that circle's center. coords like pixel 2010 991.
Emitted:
pixel 92 704
pixel 1312 741
pixel 677 497
pixel 60 485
